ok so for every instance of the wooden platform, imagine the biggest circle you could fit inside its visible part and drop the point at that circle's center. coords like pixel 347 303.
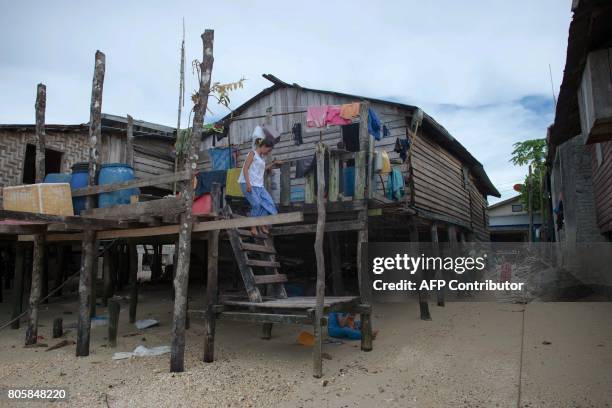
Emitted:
pixel 305 303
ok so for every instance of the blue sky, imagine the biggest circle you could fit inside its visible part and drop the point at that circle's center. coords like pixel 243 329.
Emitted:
pixel 479 67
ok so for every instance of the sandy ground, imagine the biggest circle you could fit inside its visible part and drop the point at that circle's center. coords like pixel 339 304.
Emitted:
pixel 469 355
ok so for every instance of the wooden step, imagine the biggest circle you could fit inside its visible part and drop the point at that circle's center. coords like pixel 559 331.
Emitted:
pixel 247 233
pixel 265 279
pixel 263 264
pixel 257 248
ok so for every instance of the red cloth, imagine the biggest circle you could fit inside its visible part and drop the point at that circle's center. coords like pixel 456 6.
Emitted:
pixel 333 116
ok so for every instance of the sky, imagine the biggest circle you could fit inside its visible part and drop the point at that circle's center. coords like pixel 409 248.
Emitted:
pixel 480 68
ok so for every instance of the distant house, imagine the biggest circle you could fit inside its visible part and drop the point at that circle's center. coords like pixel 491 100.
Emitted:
pixel 580 140
pixel 509 221
pixel 67 145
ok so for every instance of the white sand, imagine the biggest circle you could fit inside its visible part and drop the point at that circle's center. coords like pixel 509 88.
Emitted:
pixel 468 356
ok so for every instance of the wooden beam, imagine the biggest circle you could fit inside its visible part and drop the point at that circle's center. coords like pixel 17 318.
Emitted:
pixel 41 102
pixel 89 247
pixel 212 296
pixel 154 208
pixel 265 318
pixel 25 229
pixel 144 182
pixel 70 220
pixel 312 228
pixel 320 258
pixel 181 280
pixel 37 266
pixel 133 278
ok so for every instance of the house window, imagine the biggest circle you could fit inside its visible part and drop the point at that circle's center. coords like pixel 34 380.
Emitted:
pixel 517 207
pixel 350 137
pixel 53 163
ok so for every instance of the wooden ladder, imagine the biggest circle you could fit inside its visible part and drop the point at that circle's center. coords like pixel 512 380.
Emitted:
pixel 257 254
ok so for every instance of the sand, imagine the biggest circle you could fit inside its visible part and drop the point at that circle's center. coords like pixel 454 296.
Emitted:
pixel 469 355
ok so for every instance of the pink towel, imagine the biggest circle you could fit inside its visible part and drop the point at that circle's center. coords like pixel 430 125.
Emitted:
pixel 315 116
pixel 333 116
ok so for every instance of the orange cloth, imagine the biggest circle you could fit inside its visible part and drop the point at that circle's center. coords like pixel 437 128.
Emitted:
pixel 349 110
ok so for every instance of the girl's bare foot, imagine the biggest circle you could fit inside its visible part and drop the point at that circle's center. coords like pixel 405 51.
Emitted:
pixel 265 230
pixel 253 231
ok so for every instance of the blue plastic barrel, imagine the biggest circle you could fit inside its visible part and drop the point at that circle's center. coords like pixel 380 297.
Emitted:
pixel 57 178
pixel 78 179
pixel 112 173
pixel 349 181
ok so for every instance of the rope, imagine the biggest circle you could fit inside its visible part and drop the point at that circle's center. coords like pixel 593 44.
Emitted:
pixel 9 322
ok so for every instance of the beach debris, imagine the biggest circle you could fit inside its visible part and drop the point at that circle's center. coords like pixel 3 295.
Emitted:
pixel 146 323
pixel 142 351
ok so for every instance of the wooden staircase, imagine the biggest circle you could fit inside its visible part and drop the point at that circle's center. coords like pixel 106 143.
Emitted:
pixel 256 258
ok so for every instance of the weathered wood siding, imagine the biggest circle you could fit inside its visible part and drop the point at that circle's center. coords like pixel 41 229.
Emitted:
pixel 602 185
pixel 438 175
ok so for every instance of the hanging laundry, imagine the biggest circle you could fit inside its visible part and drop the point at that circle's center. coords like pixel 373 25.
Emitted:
pixel 333 116
pixel 395 185
pixel 271 134
pixel 304 166
pixel 386 131
pixel 316 115
pixel 402 146
pixel 385 162
pixel 349 110
pixel 296 130
pixel 232 188
pixel 205 180
pixel 222 158
pixel 374 124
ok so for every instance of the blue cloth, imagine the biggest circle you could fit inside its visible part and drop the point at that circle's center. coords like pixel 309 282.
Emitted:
pixel 205 180
pixel 261 201
pixel 221 158
pixel 334 329
pixel 374 124
pixel 395 185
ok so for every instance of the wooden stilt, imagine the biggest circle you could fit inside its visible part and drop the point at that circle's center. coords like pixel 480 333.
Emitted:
pixel 44 274
pixel 266 331
pixel 181 281
pixel 58 327
pixel 108 278
pixel 366 332
pixel 318 246
pixel 37 265
pixel 113 322
pixel 18 287
pixel 211 296
pixel 133 265
pixel 90 248
pixel 436 252
pixel 93 281
pixel 423 294
pixel 336 263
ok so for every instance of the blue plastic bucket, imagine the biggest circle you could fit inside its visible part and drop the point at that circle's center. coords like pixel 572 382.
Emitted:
pixel 57 178
pixel 78 179
pixel 112 173
pixel 348 174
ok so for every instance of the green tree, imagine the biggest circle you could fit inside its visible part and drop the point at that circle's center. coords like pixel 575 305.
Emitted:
pixel 531 153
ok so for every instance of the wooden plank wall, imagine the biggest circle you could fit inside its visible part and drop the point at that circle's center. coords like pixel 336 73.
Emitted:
pixel 439 181
pixel 602 185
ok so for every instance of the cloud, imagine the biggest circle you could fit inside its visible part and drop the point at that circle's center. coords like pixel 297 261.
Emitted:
pixel 480 68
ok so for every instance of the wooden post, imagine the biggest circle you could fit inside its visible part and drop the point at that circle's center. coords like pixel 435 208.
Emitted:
pixel 58 327
pixel 18 287
pixel 336 263
pixel 436 252
pixel 318 246
pixel 309 189
pixel 285 183
pixel 423 294
pixel 334 179
pixel 181 281
pixel 129 142
pixel 113 322
pixel 366 332
pixel 133 261
pixel 211 296
pixel 41 102
pixel 90 248
pixel 37 265
pixel 108 279
pixel 360 175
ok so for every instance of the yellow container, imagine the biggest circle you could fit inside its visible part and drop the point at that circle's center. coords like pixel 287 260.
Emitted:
pixel 46 198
